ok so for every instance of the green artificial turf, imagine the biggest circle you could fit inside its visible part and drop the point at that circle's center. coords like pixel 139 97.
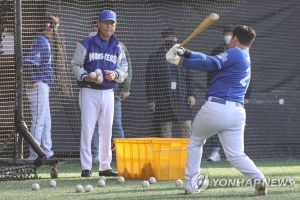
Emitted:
pixel 69 177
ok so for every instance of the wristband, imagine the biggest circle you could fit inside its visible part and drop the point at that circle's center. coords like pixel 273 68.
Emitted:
pixel 186 52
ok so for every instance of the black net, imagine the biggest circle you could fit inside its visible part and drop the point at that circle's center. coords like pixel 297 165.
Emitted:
pixel 272 126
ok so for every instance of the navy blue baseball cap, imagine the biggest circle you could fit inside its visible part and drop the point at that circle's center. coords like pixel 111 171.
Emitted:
pixel 108 15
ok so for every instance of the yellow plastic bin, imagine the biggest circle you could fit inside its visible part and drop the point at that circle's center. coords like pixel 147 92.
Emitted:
pixel 141 158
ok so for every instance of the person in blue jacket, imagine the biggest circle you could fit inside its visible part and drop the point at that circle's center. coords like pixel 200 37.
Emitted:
pixel 99 64
pixel 38 75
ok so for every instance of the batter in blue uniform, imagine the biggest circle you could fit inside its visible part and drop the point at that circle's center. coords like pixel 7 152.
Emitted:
pixel 223 112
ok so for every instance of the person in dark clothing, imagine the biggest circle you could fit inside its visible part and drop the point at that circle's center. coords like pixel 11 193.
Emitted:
pixel 170 90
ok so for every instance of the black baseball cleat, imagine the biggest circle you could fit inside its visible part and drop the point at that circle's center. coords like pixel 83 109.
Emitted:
pixel 108 172
pixel 86 173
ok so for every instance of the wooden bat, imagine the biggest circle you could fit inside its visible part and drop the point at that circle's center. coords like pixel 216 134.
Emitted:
pixel 202 26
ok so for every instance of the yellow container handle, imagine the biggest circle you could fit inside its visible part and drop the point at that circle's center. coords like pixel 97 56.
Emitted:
pixel 165 149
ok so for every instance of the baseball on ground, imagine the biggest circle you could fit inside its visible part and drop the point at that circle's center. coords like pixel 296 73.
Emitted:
pixel 78 188
pixel 93 75
pixel 179 182
pixel 102 178
pixel 145 184
pixel 52 183
pixel 88 188
pixel 35 186
pixel 101 183
pixel 152 180
pixel 120 179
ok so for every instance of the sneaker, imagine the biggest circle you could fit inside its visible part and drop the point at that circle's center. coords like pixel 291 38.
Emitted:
pixel 214 157
pixel 59 160
pixel 95 160
pixel 86 173
pixel 260 188
pixel 108 172
pixel 191 191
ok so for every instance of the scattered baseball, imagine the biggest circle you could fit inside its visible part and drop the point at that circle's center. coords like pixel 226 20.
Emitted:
pixel 52 183
pixel 289 181
pixel 88 188
pixel 93 75
pixel 102 178
pixel 179 182
pixel 98 72
pixel 100 79
pixel 35 186
pixel 120 179
pixel 101 183
pixel 145 184
pixel 152 180
pixel 78 188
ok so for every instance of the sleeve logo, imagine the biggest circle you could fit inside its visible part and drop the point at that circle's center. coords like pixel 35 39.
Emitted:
pixel 223 56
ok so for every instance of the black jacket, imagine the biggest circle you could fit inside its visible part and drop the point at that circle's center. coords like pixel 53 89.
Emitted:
pixel 158 88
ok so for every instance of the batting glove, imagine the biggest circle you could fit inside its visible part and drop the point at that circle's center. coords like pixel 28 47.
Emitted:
pixel 172 57
pixel 181 51
pixel 185 52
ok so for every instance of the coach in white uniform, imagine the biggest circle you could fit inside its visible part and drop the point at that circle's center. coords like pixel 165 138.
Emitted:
pixel 96 97
pixel 223 112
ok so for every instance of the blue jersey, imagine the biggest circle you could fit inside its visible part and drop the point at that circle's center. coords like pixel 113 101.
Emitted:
pixel 92 53
pixel 231 80
pixel 37 60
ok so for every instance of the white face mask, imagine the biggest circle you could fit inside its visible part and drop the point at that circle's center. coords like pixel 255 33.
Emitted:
pixel 227 38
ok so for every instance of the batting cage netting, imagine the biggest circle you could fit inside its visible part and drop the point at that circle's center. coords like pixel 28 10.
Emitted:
pixel 272 124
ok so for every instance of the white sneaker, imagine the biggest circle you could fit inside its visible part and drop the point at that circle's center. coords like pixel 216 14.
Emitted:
pixel 215 156
pixel 95 160
pixel 191 191
pixel 260 188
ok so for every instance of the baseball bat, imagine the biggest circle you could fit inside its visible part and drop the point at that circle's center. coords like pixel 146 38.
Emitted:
pixel 202 26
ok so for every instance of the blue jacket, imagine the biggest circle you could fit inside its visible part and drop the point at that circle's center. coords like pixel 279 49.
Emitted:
pixel 89 56
pixel 37 60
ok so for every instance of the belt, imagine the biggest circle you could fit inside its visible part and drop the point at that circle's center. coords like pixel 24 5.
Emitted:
pixel 222 101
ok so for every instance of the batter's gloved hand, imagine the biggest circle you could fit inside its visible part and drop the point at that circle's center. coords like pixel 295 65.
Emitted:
pixel 172 57
pixel 181 51
pixel 186 53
